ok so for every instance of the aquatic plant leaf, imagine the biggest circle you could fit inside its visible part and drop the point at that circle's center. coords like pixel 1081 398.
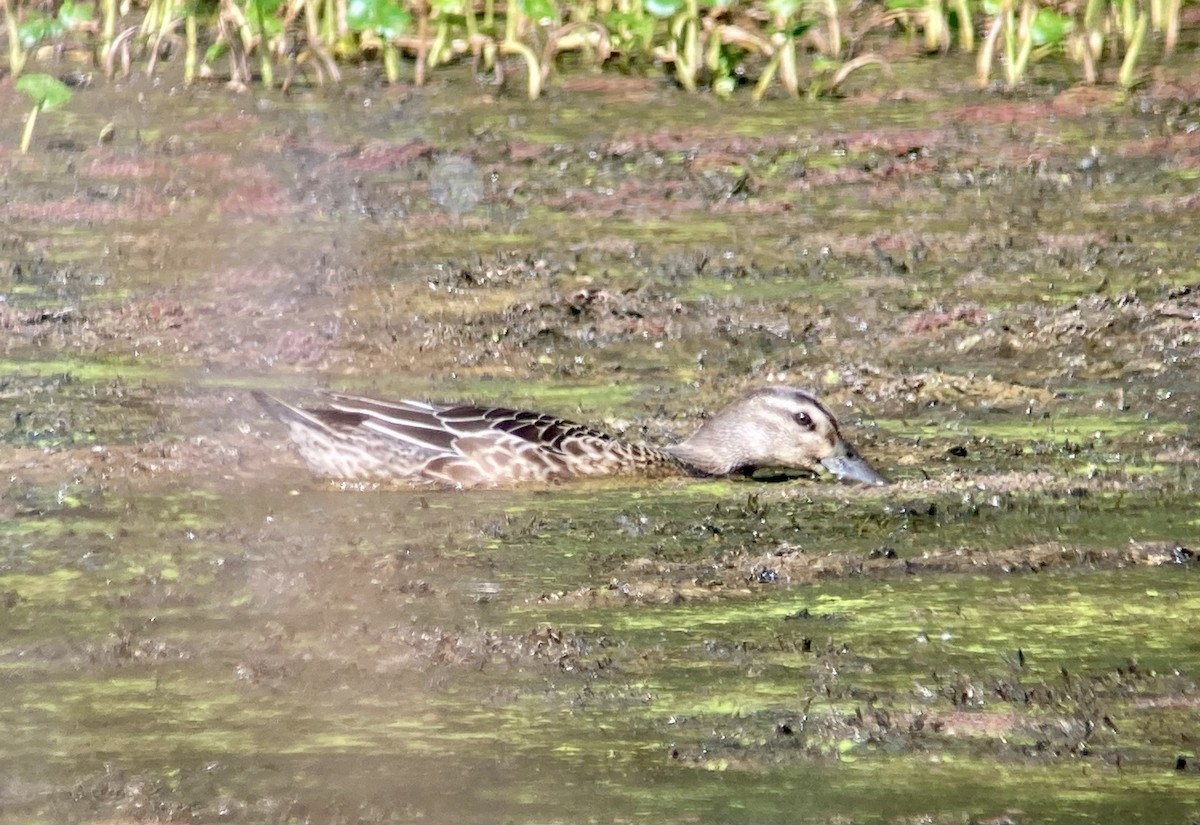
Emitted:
pixel 383 17
pixel 38 27
pixel 1051 27
pixel 215 51
pixel 359 14
pixel 629 28
pixel 822 64
pixel 265 16
pixel 664 8
pixel 48 92
pixel 71 15
pixel 539 9
pixel 394 21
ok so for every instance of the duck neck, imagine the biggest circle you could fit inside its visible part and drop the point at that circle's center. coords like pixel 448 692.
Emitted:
pixel 701 457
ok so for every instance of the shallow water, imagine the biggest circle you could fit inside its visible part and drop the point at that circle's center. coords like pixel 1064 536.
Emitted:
pixel 998 297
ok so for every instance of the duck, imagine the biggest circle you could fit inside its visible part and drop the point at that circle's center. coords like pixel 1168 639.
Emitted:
pixel 354 438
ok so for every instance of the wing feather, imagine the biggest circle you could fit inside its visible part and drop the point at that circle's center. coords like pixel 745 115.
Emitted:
pixel 413 422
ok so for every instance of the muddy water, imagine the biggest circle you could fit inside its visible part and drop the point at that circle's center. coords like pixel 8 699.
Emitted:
pixel 999 297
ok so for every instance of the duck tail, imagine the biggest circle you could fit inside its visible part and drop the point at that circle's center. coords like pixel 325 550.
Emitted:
pixel 286 413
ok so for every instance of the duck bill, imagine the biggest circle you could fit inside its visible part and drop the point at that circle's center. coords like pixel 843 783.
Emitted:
pixel 849 466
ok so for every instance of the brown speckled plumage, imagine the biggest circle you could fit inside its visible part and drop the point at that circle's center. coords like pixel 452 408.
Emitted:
pixel 364 439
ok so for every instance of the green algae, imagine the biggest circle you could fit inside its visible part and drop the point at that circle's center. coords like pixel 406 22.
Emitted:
pixel 52 585
pixel 97 372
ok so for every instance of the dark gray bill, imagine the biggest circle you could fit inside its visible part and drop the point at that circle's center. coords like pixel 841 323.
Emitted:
pixel 848 466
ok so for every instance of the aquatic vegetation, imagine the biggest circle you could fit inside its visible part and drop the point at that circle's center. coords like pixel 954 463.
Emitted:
pixel 801 45
pixel 46 93
pixel 25 34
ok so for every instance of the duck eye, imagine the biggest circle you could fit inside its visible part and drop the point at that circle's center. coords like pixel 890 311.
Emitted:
pixel 804 420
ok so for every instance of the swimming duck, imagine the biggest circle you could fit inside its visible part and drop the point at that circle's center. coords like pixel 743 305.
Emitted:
pixel 365 439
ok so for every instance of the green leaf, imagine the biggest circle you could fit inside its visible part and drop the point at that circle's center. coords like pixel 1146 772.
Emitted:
pixel 71 15
pixel 272 26
pixel 383 17
pixel 800 28
pixel 393 21
pixel 46 91
pixel 664 8
pixel 823 64
pixel 215 51
pixel 897 5
pixel 627 27
pixel 539 9
pixel 616 19
pixel 1050 27
pixel 360 14
pixel 38 27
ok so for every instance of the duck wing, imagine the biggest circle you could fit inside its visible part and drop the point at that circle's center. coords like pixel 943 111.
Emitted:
pixel 443 428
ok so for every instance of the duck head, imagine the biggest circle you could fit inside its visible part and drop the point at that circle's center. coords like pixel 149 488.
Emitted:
pixel 776 427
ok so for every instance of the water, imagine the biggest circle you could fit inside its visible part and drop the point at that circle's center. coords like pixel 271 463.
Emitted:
pixel 194 629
